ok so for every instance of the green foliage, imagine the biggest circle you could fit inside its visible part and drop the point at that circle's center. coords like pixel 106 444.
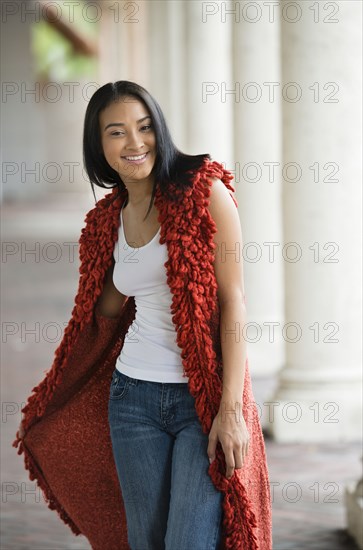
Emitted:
pixel 54 55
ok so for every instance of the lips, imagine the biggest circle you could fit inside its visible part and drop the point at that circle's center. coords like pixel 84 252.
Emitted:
pixel 136 157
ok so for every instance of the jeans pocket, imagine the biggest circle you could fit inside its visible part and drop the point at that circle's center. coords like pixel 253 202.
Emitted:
pixel 119 385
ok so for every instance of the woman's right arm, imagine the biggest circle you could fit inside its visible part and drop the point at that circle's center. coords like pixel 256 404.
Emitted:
pixel 111 301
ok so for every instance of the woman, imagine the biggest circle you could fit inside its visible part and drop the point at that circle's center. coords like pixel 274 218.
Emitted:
pixel 160 414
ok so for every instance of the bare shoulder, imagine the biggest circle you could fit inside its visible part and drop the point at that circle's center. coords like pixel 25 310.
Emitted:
pixel 221 205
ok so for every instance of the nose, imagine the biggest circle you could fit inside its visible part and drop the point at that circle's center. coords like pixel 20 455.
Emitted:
pixel 134 141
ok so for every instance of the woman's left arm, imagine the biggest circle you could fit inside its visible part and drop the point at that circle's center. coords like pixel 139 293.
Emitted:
pixel 229 425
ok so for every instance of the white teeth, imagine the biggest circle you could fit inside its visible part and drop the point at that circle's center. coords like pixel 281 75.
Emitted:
pixel 136 158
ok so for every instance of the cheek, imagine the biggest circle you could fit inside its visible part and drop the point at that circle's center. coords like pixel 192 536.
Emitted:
pixel 110 150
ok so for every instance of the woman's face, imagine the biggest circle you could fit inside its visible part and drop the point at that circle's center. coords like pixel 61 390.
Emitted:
pixel 128 138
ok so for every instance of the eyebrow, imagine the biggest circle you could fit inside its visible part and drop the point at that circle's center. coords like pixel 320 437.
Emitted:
pixel 122 124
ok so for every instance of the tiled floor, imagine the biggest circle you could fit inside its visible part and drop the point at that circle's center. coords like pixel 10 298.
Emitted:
pixel 307 483
pixel 307 480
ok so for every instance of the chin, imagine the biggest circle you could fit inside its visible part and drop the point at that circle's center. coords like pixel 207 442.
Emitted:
pixel 140 174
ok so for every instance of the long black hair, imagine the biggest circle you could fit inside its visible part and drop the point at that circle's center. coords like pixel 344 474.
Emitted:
pixel 170 163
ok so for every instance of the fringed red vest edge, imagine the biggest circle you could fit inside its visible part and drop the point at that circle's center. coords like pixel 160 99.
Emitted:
pixel 187 229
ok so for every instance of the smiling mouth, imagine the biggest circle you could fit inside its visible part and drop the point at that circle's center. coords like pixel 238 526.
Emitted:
pixel 136 157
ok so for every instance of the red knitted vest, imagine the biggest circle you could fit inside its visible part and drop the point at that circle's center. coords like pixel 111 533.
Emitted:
pixel 67 446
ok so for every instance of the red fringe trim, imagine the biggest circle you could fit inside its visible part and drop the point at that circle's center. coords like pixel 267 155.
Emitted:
pixel 195 308
pixel 194 304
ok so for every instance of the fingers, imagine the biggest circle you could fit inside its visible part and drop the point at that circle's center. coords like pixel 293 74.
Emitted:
pixel 235 459
pixel 235 448
pixel 212 444
pixel 230 462
pixel 244 451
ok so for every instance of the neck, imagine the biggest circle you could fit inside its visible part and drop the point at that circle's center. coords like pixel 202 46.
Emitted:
pixel 139 191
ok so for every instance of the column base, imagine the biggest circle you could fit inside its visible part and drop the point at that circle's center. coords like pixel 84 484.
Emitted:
pixel 354 512
pixel 318 417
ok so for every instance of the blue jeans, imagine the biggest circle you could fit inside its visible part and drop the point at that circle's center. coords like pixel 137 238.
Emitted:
pixel 160 453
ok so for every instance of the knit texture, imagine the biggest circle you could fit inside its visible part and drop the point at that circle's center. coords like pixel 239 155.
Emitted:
pixel 67 445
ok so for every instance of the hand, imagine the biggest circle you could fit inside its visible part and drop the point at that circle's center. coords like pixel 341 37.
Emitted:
pixel 229 427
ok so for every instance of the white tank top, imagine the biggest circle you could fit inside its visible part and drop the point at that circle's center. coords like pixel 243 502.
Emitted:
pixel 150 351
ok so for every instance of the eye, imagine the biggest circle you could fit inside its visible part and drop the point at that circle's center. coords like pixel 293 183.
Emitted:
pixel 116 133
pixel 146 128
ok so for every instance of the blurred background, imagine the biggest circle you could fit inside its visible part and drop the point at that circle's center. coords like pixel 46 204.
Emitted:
pixel 272 90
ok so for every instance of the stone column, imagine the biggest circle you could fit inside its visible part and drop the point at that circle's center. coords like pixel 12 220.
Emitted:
pixel 353 497
pixel 209 118
pixel 108 44
pixel 320 387
pixel 178 72
pixel 124 42
pixel 167 64
pixel 23 120
pixel 257 152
